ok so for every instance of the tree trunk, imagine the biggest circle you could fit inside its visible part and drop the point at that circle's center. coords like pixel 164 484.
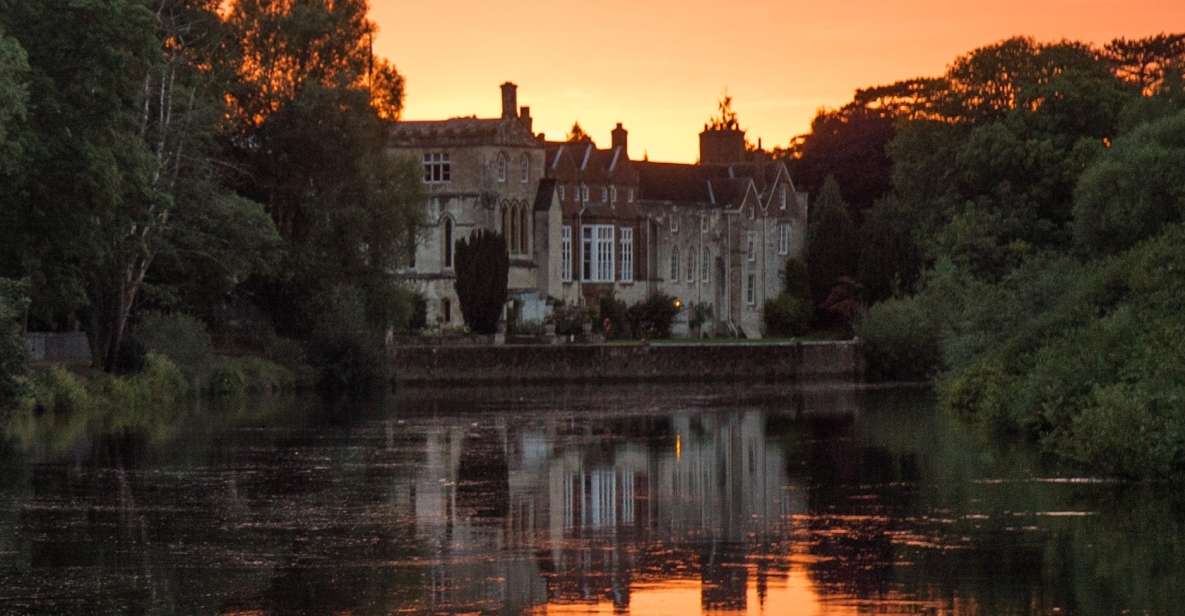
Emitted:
pixel 111 305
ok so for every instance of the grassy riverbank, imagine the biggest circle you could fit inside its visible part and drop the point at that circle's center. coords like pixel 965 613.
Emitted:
pixel 162 382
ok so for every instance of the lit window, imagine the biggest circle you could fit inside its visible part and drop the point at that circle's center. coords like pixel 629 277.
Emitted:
pixel 566 253
pixel 526 168
pixel 436 168
pixel 784 238
pixel 751 246
pixel 674 264
pixel 627 254
pixel 597 258
pixel 705 267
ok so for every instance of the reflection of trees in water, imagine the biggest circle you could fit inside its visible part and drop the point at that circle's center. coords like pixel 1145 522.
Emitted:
pixel 310 512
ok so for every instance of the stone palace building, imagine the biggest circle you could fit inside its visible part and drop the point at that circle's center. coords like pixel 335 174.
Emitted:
pixel 582 221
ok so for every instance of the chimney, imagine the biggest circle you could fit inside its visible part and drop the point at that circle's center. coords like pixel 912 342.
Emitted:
pixel 621 138
pixel 721 146
pixel 524 116
pixel 509 100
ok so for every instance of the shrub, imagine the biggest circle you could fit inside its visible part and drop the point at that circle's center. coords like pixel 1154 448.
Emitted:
pixel 262 376
pixel 979 392
pixel 652 318
pixel 482 267
pixel 162 381
pixel 901 341
pixel 795 280
pixel 786 315
pixel 343 345
pixel 58 390
pixel 180 337
pixel 701 312
pixel 569 319
pixel 617 312
pixel 419 314
pixel 226 379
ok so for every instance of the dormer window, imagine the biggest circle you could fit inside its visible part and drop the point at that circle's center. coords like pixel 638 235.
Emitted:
pixel 436 168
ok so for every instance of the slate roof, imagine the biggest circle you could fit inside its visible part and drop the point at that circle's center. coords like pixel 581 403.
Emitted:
pixel 463 130
pixel 543 195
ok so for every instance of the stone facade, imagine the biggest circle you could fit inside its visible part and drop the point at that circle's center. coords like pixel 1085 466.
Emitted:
pixel 583 221
pixel 481 174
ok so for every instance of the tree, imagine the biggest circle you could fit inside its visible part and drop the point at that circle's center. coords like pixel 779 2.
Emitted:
pixel 310 108
pixel 14 95
pixel 577 133
pixel 889 260
pixel 849 144
pixel 1134 190
pixel 129 104
pixel 727 118
pixel 482 268
pixel 1145 63
pixel 832 250
pixel 13 303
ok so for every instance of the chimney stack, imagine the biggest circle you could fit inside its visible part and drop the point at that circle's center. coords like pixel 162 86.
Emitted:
pixel 524 116
pixel 621 138
pixel 509 100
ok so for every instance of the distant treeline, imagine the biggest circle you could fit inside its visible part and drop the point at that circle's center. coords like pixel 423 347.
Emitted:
pixel 225 160
pixel 1016 229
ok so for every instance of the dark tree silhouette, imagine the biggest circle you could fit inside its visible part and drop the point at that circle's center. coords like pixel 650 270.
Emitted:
pixel 482 267
pixel 577 133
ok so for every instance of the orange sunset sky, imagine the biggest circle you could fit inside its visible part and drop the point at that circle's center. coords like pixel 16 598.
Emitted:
pixel 660 66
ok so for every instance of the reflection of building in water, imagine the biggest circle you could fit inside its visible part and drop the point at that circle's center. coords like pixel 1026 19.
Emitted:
pixel 579 517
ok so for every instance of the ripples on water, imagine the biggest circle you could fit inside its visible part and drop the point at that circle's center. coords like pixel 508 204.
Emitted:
pixel 578 500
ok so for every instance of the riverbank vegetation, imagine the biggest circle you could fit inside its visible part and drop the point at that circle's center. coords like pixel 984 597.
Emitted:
pixel 1021 218
pixel 218 162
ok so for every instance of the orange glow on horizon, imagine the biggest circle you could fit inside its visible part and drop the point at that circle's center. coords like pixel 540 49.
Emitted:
pixel 660 66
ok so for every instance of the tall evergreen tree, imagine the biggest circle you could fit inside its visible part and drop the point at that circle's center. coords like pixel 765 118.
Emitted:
pixel 482 267
pixel 832 249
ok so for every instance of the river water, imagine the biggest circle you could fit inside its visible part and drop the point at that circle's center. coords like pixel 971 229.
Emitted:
pixel 570 500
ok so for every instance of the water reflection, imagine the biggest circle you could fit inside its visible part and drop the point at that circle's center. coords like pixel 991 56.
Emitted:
pixel 647 500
